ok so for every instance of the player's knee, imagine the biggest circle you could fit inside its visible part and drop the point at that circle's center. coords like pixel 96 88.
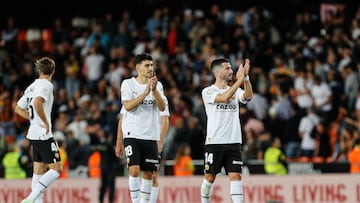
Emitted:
pixel 58 167
pixel 147 175
pixel 134 171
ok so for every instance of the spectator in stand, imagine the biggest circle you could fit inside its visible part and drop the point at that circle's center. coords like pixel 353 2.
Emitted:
pixel 275 159
pixel 12 163
pixel 307 123
pixel 93 67
pixel 354 157
pixel 183 164
pixel 322 144
pixel 351 85
pixel 322 96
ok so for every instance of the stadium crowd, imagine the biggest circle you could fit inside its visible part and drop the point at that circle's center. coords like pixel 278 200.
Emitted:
pixel 305 72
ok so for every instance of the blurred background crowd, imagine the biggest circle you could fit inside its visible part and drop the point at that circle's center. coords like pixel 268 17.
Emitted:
pixel 305 71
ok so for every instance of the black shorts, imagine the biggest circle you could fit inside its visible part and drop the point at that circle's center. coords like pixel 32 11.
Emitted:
pixel 46 151
pixel 222 155
pixel 141 152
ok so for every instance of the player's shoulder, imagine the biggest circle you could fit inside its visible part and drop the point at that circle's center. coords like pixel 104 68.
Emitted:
pixel 128 81
pixel 42 83
pixel 210 88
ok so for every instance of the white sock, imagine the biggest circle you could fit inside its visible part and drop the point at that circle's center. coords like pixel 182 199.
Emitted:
pixel 145 190
pixel 35 179
pixel 154 194
pixel 206 191
pixel 134 187
pixel 45 180
pixel 236 191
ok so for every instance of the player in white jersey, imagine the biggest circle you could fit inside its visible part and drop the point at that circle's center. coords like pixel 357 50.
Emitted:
pixel 119 151
pixel 223 139
pixel 36 105
pixel 143 98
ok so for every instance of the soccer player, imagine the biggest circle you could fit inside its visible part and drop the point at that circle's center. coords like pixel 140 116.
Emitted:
pixel 223 139
pixel 143 99
pixel 119 151
pixel 36 105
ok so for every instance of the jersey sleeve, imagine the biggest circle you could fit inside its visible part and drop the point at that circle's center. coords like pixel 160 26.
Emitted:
pixel 126 91
pixel 209 95
pixel 22 102
pixel 239 95
pixel 122 110
pixel 166 111
pixel 43 91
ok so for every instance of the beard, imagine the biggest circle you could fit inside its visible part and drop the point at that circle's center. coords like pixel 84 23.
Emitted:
pixel 227 78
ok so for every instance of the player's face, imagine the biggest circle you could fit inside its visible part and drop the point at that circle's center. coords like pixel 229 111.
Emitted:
pixel 146 69
pixel 226 73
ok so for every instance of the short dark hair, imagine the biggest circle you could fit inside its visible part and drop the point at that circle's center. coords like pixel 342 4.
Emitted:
pixel 45 65
pixel 217 62
pixel 142 57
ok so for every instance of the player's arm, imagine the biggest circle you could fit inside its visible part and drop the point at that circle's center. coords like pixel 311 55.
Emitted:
pixel 39 108
pixel 130 103
pixel 159 100
pixel 119 148
pixel 22 112
pixel 156 93
pixel 163 132
pixel 225 97
pixel 248 91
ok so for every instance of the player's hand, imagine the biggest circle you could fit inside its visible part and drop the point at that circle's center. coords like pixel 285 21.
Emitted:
pixel 243 70
pixel 148 87
pixel 240 74
pixel 160 144
pixel 153 82
pixel 47 128
pixel 247 67
pixel 119 150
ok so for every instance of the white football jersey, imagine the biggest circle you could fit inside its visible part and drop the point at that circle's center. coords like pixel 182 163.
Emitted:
pixel 143 121
pixel 223 122
pixel 39 88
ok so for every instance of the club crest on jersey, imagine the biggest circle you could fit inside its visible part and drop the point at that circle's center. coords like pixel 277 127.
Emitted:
pixel 210 92
pixel 45 91
pixel 57 155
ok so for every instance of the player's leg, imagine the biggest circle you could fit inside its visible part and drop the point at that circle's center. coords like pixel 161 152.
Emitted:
pixel 133 161
pixel 206 187
pixel 155 188
pixel 155 184
pixel 149 164
pixel 39 169
pixel 212 162
pixel 48 156
pixel 233 166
